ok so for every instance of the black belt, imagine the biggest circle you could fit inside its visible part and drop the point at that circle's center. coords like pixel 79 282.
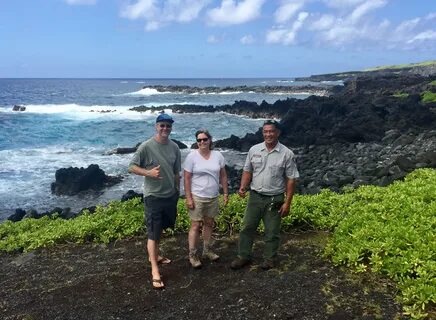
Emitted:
pixel 266 195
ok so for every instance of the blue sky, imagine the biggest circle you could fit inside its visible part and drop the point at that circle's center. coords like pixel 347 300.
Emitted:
pixel 211 38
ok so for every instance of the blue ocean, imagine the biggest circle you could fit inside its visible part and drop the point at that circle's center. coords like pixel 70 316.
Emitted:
pixel 75 122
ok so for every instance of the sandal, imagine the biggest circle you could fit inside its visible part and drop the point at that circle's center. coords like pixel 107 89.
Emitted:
pixel 162 260
pixel 157 284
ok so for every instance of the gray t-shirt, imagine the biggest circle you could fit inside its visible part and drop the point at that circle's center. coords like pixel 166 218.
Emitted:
pixel 151 154
pixel 270 169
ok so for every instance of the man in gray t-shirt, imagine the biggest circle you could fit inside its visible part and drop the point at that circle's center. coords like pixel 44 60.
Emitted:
pixel 270 168
pixel 159 161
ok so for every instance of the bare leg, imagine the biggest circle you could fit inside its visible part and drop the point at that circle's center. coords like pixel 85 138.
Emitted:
pixel 193 239
pixel 207 230
pixel 153 252
pixel 194 236
pixel 207 237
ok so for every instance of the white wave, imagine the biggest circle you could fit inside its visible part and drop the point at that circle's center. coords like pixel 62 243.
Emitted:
pixel 333 82
pixel 80 112
pixel 145 92
pixel 218 93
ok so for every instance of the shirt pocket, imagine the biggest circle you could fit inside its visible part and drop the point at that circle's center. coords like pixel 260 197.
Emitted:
pixel 277 171
pixel 256 162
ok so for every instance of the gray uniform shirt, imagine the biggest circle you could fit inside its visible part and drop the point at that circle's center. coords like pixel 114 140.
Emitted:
pixel 270 169
pixel 151 154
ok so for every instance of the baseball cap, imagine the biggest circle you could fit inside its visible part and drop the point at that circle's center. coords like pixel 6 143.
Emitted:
pixel 164 117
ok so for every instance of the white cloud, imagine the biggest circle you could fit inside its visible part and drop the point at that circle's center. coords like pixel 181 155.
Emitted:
pixel 231 12
pixel 141 9
pixel 423 36
pixel 247 39
pixel 81 2
pixel 160 13
pixel 354 24
pixel 213 39
pixel 287 10
pixel 364 8
pixel 341 4
pixel 287 36
pixel 408 25
pixel 323 23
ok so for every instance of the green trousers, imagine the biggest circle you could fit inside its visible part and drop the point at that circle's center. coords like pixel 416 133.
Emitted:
pixel 265 208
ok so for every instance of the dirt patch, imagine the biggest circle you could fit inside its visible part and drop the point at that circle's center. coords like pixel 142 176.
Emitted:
pixel 113 282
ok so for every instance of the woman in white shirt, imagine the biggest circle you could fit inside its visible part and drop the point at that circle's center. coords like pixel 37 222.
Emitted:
pixel 204 171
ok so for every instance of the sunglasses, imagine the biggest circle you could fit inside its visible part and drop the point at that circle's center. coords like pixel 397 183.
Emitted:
pixel 202 140
pixel 165 126
pixel 273 122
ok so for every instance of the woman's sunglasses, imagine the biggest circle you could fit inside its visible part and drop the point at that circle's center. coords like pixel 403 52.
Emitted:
pixel 202 140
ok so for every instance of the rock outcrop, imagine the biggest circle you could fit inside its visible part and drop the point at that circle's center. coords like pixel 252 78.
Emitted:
pixel 18 108
pixel 71 181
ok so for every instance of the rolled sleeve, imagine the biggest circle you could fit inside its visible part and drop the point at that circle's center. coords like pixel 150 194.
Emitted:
pixel 291 168
pixel 248 166
pixel 136 160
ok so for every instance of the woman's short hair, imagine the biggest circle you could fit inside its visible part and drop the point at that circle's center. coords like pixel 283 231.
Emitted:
pixel 206 132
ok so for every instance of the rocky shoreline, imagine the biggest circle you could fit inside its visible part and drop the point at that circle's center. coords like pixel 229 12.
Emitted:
pixel 297 89
pixel 373 130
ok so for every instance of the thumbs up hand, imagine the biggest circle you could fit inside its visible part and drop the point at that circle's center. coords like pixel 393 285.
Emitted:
pixel 154 173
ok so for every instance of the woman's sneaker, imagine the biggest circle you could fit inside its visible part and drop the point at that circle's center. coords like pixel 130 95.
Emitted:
pixel 212 256
pixel 194 261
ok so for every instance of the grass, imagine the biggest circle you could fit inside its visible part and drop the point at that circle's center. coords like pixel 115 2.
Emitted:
pixel 402 66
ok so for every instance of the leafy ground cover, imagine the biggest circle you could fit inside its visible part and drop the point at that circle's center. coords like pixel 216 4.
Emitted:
pixel 385 230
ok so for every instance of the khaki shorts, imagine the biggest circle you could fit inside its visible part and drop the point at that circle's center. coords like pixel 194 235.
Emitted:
pixel 204 207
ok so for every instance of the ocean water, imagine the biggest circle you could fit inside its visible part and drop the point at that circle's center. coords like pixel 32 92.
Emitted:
pixel 63 125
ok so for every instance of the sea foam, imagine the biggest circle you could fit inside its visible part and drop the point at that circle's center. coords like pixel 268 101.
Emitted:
pixel 145 92
pixel 80 112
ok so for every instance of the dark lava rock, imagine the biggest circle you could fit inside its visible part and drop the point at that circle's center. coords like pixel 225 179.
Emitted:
pixel 71 181
pixel 363 111
pixel 130 195
pixel 18 108
pixel 181 145
pixel 18 215
pixel 126 150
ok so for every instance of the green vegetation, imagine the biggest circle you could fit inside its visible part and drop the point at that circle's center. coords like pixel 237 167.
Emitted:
pixel 433 83
pixel 402 66
pixel 400 95
pixel 389 230
pixel 428 97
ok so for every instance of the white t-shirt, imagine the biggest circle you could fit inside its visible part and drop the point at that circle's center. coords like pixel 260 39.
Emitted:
pixel 205 173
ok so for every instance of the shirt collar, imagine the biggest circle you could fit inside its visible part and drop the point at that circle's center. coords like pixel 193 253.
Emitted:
pixel 276 148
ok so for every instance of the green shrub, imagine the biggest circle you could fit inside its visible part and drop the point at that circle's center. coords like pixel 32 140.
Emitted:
pixel 389 230
pixel 428 97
